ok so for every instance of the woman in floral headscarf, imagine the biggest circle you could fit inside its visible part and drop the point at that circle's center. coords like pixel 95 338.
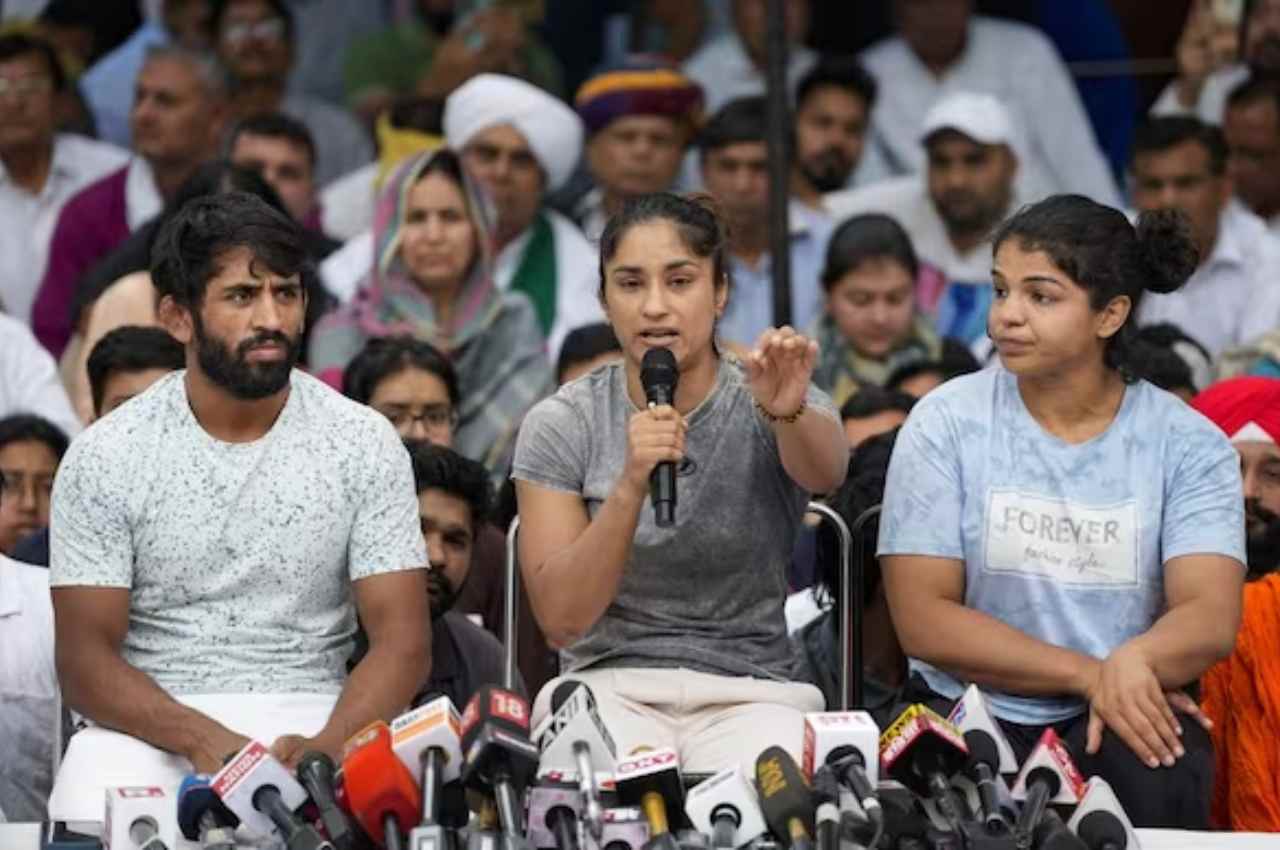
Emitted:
pixel 431 280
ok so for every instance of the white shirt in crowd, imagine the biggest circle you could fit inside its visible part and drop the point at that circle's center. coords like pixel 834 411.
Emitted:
pixel 1058 151
pixel 346 204
pixel 29 381
pixel 725 71
pixel 239 557
pixel 30 706
pixel 1233 297
pixel 1212 103
pixel 27 221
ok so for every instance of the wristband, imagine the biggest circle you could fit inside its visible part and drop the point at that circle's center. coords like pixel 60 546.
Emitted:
pixel 789 419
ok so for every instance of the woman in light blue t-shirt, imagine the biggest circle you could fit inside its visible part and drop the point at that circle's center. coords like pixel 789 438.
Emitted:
pixel 1064 536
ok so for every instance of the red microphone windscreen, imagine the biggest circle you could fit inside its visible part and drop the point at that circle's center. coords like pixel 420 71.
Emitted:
pixel 377 783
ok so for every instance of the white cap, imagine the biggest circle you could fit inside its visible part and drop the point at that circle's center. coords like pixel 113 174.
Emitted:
pixel 981 117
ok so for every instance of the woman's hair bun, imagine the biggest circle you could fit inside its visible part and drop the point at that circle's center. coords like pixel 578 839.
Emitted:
pixel 1165 249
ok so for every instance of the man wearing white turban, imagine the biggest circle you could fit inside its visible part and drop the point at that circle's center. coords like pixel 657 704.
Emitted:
pixel 521 143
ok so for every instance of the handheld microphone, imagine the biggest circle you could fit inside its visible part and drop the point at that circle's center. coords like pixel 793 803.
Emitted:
pixel 785 798
pixel 1048 776
pixel 972 713
pixel 238 784
pixel 922 751
pixel 574 738
pixel 426 740
pixel 659 376
pixel 652 781
pixel 826 799
pixel 727 808
pixel 202 816
pixel 499 755
pixel 1100 820
pixel 316 772
pixel 381 793
pixel 138 818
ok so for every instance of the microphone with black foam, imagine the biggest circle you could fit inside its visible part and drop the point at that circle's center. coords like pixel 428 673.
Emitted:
pixel 847 742
pixel 659 377
pixel 726 807
pixel 574 739
pixel 923 751
pixel 381 793
pixel 264 795
pixel 826 800
pixel 1048 776
pixel 1100 821
pixel 1053 834
pixel 427 741
pixel 785 798
pixel 202 817
pixel 499 757
pixel 318 774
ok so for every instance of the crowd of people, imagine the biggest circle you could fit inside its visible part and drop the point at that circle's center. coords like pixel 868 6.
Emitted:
pixel 302 303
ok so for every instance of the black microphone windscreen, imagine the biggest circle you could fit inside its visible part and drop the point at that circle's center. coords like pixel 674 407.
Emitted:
pixel 658 369
pixel 1102 829
pixel 784 795
pixel 982 749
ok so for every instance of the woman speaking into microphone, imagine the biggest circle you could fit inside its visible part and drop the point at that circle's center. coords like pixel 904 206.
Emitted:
pixel 677 629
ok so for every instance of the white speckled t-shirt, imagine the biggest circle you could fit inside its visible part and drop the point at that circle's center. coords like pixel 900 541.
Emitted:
pixel 239 556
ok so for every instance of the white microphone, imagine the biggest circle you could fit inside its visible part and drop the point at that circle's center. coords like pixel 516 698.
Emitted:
pixel 435 724
pixel 1100 821
pixel 972 714
pixel 625 828
pixel 848 741
pixel 573 738
pixel 1048 776
pixel 252 770
pixel 726 807
pixel 139 818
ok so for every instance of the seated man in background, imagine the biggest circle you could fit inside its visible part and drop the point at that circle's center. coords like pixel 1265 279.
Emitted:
pixel 173 598
pixel 282 150
pixel 31 448
pixel 29 705
pixel 1242 692
pixel 585 349
pixel 124 363
pixel 873 411
pixel 832 122
pixel 453 506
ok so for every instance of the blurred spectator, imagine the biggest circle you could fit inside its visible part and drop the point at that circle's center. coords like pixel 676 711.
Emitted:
pixel 177 121
pixel 870 326
pixel 85 30
pixel 255 40
pixel 30 450
pixel 732 65
pixel 1162 367
pixel 884 666
pixel 917 379
pixel 832 120
pixel 30 706
pixel 1198 363
pixel 283 152
pixel 873 411
pixel 968 188
pixel 327 31
pixel 433 280
pixel 29 378
pixel 640 117
pixel 942 49
pixel 435 54
pixel 40 170
pixel 585 349
pixel 108 86
pixel 734 160
pixel 1180 162
pixel 414 385
pixel 1215 54
pixel 1251 127
pixel 1239 692
pixel 453 506
pixel 520 143
pixel 409 381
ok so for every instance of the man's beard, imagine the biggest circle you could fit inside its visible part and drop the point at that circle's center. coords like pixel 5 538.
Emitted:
pixel 827 171
pixel 441 594
pixel 1262 546
pixel 234 373
pixel 977 216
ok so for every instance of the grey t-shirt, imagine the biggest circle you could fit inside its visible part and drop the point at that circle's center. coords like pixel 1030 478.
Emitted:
pixel 239 557
pixel 708 593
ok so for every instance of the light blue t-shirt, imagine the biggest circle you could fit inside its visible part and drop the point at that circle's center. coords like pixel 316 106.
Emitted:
pixel 1063 542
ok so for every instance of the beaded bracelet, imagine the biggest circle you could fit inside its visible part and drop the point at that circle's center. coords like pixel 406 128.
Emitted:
pixel 789 419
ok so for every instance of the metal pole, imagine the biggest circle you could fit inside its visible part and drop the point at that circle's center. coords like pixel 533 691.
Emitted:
pixel 778 139
pixel 850 606
pixel 511 608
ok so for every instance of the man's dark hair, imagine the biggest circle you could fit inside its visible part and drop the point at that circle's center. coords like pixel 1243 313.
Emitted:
pixel 436 467
pixel 27 427
pixel 275 125
pixel 280 8
pixel 584 344
pixel 16 44
pixel 863 488
pixel 131 348
pixel 1162 357
pixel 955 360
pixel 1156 135
pixel 871 400
pixel 385 356
pixel 1255 90
pixel 837 71
pixel 191 245
pixel 738 121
